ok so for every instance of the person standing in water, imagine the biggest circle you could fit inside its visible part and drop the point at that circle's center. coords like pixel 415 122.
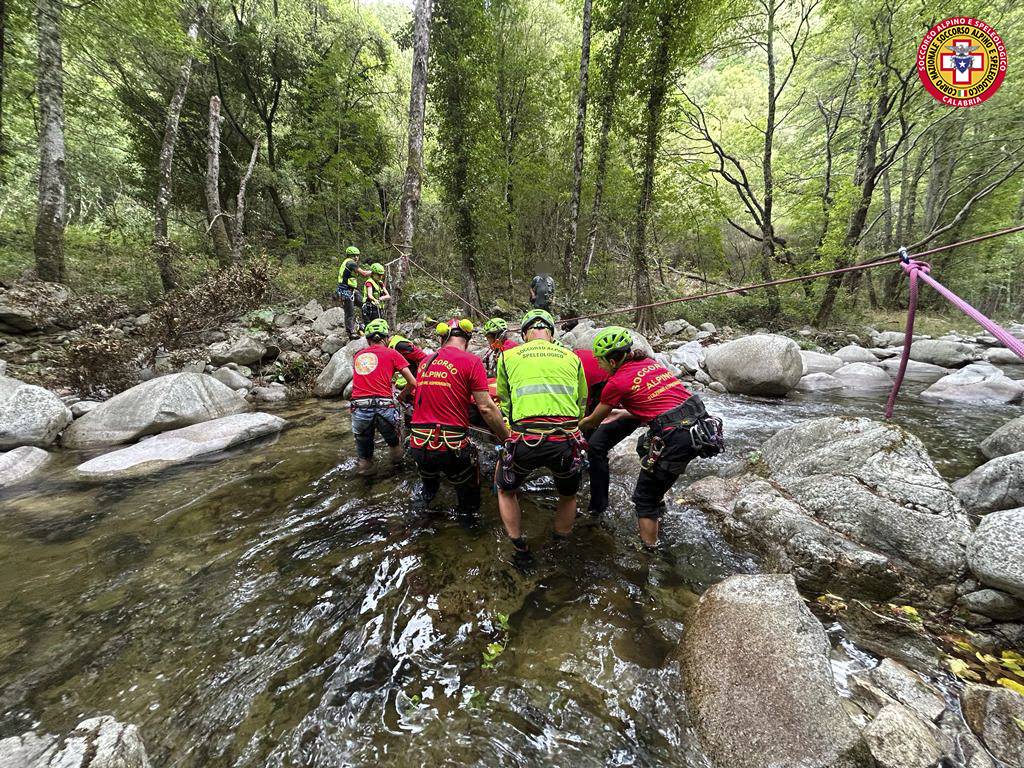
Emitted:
pixel 373 401
pixel 543 394
pixel 678 427
pixel 439 442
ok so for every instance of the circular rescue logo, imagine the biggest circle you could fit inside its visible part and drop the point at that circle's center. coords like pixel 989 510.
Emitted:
pixel 961 61
pixel 366 363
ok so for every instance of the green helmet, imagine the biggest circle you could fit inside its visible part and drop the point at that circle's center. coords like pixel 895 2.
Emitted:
pixel 537 317
pixel 614 338
pixel 377 268
pixel 494 326
pixel 352 251
pixel 378 327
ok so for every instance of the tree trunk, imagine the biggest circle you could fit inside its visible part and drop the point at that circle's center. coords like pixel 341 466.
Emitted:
pixel 291 231
pixel 645 317
pixel 607 115
pixel 217 228
pixel 413 176
pixel 465 229
pixel 3 66
pixel 238 238
pixel 161 243
pixel 767 227
pixel 50 219
pixel 577 161
pixel 866 176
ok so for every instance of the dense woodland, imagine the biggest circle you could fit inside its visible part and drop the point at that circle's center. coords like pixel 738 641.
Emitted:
pixel 646 148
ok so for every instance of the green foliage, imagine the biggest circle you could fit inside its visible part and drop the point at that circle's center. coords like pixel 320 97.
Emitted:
pixel 324 87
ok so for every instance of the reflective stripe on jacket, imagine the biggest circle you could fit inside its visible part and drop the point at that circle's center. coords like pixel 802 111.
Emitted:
pixel 541 379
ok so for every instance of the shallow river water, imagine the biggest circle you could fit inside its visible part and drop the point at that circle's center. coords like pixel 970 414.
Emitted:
pixel 268 608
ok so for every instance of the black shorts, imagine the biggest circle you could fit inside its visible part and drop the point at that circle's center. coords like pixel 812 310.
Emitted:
pixel 559 456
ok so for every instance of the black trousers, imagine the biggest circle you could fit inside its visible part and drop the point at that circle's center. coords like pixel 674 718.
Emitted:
pixel 461 468
pixel 349 301
pixel 599 444
pixel 652 485
pixel 370 312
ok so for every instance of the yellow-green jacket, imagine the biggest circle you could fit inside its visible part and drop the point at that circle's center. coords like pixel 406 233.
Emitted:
pixel 541 378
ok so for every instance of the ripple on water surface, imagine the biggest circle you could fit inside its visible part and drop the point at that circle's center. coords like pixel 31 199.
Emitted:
pixel 269 609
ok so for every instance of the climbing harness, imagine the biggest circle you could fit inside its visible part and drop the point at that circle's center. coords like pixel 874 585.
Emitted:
pixel 705 431
pixel 532 434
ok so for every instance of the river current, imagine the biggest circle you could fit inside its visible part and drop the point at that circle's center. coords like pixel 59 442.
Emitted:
pixel 269 608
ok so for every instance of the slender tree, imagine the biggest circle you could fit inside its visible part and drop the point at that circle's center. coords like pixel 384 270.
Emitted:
pixel 161 242
pixel 217 228
pixel 609 96
pixel 52 211
pixel 238 238
pixel 414 162
pixel 3 68
pixel 577 160
pixel 659 76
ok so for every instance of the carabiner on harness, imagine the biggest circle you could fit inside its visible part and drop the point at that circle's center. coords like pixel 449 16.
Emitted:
pixel 707 437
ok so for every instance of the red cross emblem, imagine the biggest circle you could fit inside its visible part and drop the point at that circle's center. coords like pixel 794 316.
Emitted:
pixel 962 62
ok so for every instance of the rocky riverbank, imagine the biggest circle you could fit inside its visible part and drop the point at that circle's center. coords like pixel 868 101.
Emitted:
pixel 923 574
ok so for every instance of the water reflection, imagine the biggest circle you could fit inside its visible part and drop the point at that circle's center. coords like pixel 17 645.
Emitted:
pixel 270 609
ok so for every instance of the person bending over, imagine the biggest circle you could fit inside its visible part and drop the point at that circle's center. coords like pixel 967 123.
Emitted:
pixel 678 426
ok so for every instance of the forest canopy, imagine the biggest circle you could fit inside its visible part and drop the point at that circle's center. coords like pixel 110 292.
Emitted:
pixel 647 148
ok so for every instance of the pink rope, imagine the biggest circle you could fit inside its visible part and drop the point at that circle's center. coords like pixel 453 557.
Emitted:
pixel 914 270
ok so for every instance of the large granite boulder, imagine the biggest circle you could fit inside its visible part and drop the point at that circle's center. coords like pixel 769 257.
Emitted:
pixel 850 506
pixel 852 353
pixel 996 484
pixel 29 415
pixel 995 715
pixel 1008 439
pixel 816 362
pixel 898 738
pixel 689 356
pixel 758 682
pixel 992 602
pixel 100 742
pixel 925 372
pixel 244 351
pixel 329 321
pixel 996 551
pixel 180 445
pixel 339 371
pixel 818 382
pixel 948 354
pixel 1002 356
pixel 19 464
pixel 763 364
pixel 583 338
pixel 981 383
pixel 864 377
pixel 232 378
pixel 164 403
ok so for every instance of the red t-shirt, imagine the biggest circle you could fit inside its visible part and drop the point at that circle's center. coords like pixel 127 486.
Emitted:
pixel 374 368
pixel 445 385
pixel 508 344
pixel 644 388
pixel 591 368
pixel 413 355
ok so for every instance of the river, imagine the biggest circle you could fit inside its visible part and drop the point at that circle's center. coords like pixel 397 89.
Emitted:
pixel 269 608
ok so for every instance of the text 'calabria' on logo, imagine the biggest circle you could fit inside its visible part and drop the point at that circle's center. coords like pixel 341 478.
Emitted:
pixel 961 61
